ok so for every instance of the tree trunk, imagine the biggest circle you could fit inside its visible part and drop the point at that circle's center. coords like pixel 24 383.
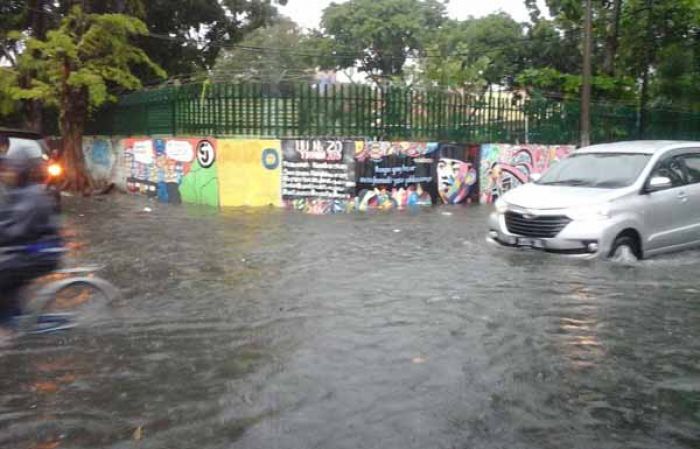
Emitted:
pixel 613 39
pixel 72 120
pixel 77 178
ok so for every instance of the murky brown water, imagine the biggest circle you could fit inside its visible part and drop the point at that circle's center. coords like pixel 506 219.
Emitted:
pixel 265 329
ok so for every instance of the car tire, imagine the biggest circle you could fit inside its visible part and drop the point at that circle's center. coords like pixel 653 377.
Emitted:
pixel 625 249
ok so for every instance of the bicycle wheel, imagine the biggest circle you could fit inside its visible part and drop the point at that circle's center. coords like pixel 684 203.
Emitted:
pixel 70 302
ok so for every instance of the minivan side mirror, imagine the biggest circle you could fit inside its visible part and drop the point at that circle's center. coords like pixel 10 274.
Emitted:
pixel 535 177
pixel 659 183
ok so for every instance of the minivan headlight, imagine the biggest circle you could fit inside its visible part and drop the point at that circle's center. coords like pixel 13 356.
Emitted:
pixel 501 206
pixel 589 213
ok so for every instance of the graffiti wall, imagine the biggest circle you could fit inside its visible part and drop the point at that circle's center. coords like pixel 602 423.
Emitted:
pixel 318 176
pixel 173 170
pixel 249 172
pixel 104 159
pixel 504 167
pixel 457 173
pixel 395 175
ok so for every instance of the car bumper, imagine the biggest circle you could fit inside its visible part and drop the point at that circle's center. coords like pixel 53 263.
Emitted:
pixel 583 239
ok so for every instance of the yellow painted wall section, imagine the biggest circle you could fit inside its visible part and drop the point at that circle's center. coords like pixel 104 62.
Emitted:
pixel 249 172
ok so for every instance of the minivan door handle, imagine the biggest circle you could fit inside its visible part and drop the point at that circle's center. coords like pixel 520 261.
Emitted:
pixel 683 196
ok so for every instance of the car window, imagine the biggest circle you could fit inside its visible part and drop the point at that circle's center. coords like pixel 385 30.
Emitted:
pixel 671 168
pixel 33 148
pixel 598 170
pixel 692 164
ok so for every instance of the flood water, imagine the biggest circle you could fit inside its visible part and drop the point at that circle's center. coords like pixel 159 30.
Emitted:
pixel 269 329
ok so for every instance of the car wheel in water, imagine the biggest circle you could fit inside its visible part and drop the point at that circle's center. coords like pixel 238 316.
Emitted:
pixel 624 250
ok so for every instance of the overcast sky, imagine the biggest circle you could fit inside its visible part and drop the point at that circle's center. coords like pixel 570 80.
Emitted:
pixel 307 13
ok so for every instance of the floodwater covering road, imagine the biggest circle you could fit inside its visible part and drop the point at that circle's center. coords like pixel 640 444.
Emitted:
pixel 269 329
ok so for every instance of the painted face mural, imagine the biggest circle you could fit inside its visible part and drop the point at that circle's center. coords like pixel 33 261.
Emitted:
pixel 455 180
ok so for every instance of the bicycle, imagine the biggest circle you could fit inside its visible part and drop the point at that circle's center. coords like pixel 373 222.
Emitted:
pixel 64 299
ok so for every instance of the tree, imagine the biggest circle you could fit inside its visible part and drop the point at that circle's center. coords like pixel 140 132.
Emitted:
pixel 654 36
pixel 650 42
pixel 269 55
pixel 547 47
pixel 19 19
pixel 496 36
pixel 453 72
pixel 379 36
pixel 75 67
pixel 186 36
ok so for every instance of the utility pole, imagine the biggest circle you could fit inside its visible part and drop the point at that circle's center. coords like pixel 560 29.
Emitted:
pixel 644 96
pixel 586 79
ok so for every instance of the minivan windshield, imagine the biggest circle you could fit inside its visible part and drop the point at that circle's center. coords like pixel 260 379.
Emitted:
pixel 600 170
pixel 31 147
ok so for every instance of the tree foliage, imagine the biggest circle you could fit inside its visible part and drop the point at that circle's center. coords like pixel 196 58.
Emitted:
pixel 86 55
pixel 188 35
pixel 496 37
pixel 379 36
pixel 271 55
pixel 642 49
pixel 74 68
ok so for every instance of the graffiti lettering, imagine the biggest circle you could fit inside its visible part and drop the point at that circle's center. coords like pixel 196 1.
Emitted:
pixel 320 151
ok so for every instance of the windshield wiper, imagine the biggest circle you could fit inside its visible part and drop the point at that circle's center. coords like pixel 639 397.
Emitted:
pixel 609 184
pixel 568 182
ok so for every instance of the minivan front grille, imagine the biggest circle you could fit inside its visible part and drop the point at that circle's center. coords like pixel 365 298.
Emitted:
pixel 544 227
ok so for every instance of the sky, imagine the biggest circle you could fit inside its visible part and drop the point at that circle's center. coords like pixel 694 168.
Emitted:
pixel 307 13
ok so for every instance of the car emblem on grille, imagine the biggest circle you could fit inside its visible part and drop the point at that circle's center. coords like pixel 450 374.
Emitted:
pixel 528 215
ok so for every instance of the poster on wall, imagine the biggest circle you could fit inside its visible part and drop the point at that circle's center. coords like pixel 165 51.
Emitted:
pixel 318 176
pixel 504 167
pixel 169 169
pixel 457 173
pixel 395 175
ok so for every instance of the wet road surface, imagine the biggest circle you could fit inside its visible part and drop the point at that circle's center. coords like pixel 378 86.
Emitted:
pixel 268 329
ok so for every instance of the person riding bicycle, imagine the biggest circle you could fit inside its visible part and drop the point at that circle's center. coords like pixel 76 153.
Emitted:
pixel 30 242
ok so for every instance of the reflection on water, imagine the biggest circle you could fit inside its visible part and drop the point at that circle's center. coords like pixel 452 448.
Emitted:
pixel 261 328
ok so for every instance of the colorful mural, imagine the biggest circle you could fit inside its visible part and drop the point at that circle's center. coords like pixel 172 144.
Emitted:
pixel 504 167
pixel 173 170
pixel 317 206
pixel 395 175
pixel 318 176
pixel 383 199
pixel 249 172
pixel 457 174
pixel 378 151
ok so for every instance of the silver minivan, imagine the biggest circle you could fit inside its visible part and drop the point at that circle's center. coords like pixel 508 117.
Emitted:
pixel 624 201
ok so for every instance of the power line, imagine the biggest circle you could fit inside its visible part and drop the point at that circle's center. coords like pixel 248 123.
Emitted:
pixel 416 54
pixel 355 56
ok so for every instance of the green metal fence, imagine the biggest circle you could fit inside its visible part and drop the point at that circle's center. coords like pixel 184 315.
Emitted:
pixel 350 110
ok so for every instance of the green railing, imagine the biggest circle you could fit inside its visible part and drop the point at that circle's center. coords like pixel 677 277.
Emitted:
pixel 351 110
